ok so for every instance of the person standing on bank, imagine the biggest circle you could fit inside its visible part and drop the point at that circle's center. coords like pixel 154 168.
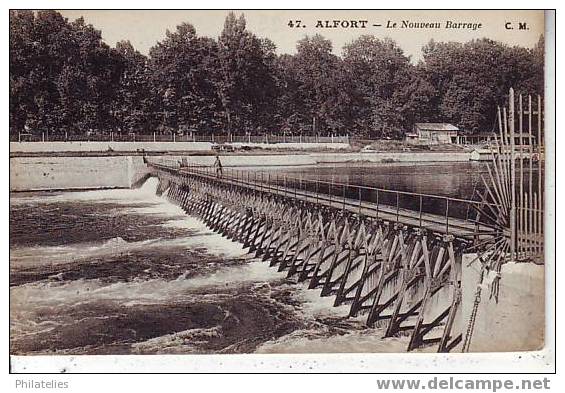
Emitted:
pixel 218 166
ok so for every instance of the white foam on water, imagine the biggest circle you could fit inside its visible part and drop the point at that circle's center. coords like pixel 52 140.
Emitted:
pixel 57 255
pixel 185 341
pixel 143 194
pixel 313 304
pixel 72 293
pixel 316 341
pixel 37 298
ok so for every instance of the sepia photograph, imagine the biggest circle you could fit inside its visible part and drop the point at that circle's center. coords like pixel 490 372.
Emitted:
pixel 222 182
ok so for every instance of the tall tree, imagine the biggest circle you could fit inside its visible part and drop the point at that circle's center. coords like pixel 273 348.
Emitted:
pixel 246 79
pixel 380 72
pixel 473 78
pixel 131 99
pixel 62 75
pixel 319 75
pixel 182 71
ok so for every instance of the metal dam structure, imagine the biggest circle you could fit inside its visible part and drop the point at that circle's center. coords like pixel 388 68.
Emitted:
pixel 394 258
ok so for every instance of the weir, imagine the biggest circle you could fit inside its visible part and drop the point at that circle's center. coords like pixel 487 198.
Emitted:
pixel 393 257
pixel 396 268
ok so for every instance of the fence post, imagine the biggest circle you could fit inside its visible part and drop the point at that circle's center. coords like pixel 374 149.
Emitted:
pixel 42 136
pixel 19 136
pixel 174 137
pixel 377 203
pixel 447 215
pixel 397 206
pixel 420 211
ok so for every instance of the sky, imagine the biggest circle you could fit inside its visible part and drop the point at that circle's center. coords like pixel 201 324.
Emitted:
pixel 145 28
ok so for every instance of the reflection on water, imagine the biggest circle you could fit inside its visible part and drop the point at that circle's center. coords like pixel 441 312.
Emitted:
pixel 454 179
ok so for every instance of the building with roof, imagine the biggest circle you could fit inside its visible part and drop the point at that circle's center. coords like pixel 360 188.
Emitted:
pixel 433 133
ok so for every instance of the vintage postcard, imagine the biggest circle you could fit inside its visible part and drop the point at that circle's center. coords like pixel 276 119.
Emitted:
pixel 277 182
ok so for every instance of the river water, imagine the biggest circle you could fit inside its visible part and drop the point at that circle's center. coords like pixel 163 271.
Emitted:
pixel 126 272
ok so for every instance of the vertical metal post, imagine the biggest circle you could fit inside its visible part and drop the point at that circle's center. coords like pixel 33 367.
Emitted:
pixel 330 192
pixel 397 206
pixel 420 210
pixel 447 215
pixel 343 197
pixel 512 177
pixel 377 203
pixel 358 188
pixel 317 192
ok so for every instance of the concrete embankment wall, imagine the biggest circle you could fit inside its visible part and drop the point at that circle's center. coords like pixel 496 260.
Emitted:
pixel 517 321
pixel 67 147
pixel 60 147
pixel 51 172
pixel 66 173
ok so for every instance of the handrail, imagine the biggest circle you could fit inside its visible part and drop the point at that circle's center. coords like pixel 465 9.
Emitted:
pixel 395 211
pixel 371 188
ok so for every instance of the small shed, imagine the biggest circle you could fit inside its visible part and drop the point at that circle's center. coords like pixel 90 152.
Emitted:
pixel 433 133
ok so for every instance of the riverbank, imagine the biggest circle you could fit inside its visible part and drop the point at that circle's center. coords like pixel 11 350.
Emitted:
pixel 517 321
pixel 160 148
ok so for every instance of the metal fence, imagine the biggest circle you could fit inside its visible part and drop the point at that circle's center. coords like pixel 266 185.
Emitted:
pixel 155 137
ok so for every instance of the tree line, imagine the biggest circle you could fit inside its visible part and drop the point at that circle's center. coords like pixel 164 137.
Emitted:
pixel 65 79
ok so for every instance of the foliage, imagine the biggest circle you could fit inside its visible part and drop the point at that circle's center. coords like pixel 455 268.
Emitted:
pixel 65 79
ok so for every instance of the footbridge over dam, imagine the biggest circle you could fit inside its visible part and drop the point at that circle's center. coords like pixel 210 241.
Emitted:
pixel 395 258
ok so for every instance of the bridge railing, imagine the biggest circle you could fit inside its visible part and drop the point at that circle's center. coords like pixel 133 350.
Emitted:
pixel 442 213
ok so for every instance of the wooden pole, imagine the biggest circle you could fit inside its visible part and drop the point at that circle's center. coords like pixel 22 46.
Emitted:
pixel 512 177
pixel 504 172
pixel 540 190
pixel 531 146
pixel 535 231
pixel 521 198
pixel 527 203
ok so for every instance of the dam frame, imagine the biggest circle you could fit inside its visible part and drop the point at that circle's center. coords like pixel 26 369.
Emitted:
pixel 393 257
